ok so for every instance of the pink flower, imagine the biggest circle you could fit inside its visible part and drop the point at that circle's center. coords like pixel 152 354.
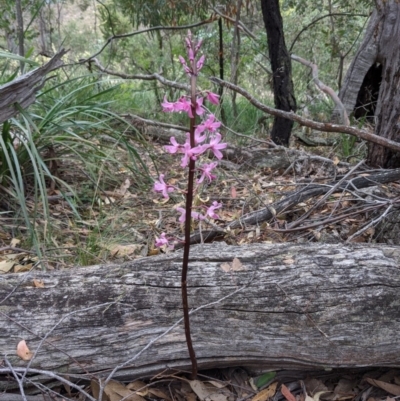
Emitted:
pixel 200 63
pixel 191 153
pixel 161 186
pixel 215 145
pixel 199 106
pixel 212 208
pixel 210 124
pixel 163 241
pixel 213 97
pixel 198 45
pixel 185 66
pixel 206 172
pixel 198 138
pixel 168 107
pixel 191 53
pixel 195 215
pixel 175 147
pixel 184 105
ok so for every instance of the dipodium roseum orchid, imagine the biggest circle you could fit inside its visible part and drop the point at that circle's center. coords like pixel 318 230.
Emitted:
pixel 206 172
pixel 163 242
pixel 210 125
pixel 175 147
pixel 195 145
pixel 212 208
pixel 163 187
pixel 213 98
pixel 215 146
pixel 195 215
pixel 183 104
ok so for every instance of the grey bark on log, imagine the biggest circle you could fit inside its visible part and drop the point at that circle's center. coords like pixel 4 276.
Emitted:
pixel 22 90
pixel 298 306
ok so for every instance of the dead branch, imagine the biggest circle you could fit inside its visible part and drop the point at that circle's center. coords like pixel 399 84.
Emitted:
pixel 154 28
pixel 324 88
pixel 148 77
pixel 294 198
pixel 22 90
pixel 319 126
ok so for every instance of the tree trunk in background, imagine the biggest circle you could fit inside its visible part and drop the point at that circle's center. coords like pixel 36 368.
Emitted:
pixel 20 32
pixel 281 69
pixel 235 56
pixel 372 84
pixel 221 70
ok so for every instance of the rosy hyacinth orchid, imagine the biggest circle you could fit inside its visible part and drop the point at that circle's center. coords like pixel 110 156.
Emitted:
pixel 215 146
pixel 212 208
pixel 213 98
pixel 163 187
pixel 206 172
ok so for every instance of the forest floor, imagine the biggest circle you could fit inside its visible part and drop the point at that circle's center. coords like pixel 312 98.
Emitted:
pixel 122 221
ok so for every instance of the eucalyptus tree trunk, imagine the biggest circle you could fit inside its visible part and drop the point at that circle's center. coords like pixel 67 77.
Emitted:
pixel 281 69
pixel 20 32
pixel 372 85
pixel 235 56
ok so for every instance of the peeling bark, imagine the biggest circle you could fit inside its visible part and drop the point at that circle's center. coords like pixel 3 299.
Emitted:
pixel 379 47
pixel 22 90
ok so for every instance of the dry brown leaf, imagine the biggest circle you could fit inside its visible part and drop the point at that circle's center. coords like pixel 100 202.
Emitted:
pixel 207 391
pixel 136 385
pixel 287 394
pixel 38 283
pixel 6 266
pixel 267 393
pixel 125 186
pixel 236 265
pixel 159 393
pixel 390 388
pixel 124 250
pixel 191 397
pixel 23 351
pixel 22 268
pixel 116 391
pixel 94 385
pixel 15 242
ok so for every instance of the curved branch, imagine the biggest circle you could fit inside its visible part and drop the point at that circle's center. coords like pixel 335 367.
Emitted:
pixel 324 88
pixel 148 77
pixel 155 28
pixel 240 23
pixel 319 126
pixel 319 19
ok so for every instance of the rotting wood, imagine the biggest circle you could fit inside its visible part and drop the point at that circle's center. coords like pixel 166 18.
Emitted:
pixel 300 306
pixel 22 90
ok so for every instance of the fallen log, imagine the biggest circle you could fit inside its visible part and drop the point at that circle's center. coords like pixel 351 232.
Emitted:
pixel 274 306
pixel 21 92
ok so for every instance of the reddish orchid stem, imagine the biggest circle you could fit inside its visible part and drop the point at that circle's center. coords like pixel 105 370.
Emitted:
pixel 189 203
